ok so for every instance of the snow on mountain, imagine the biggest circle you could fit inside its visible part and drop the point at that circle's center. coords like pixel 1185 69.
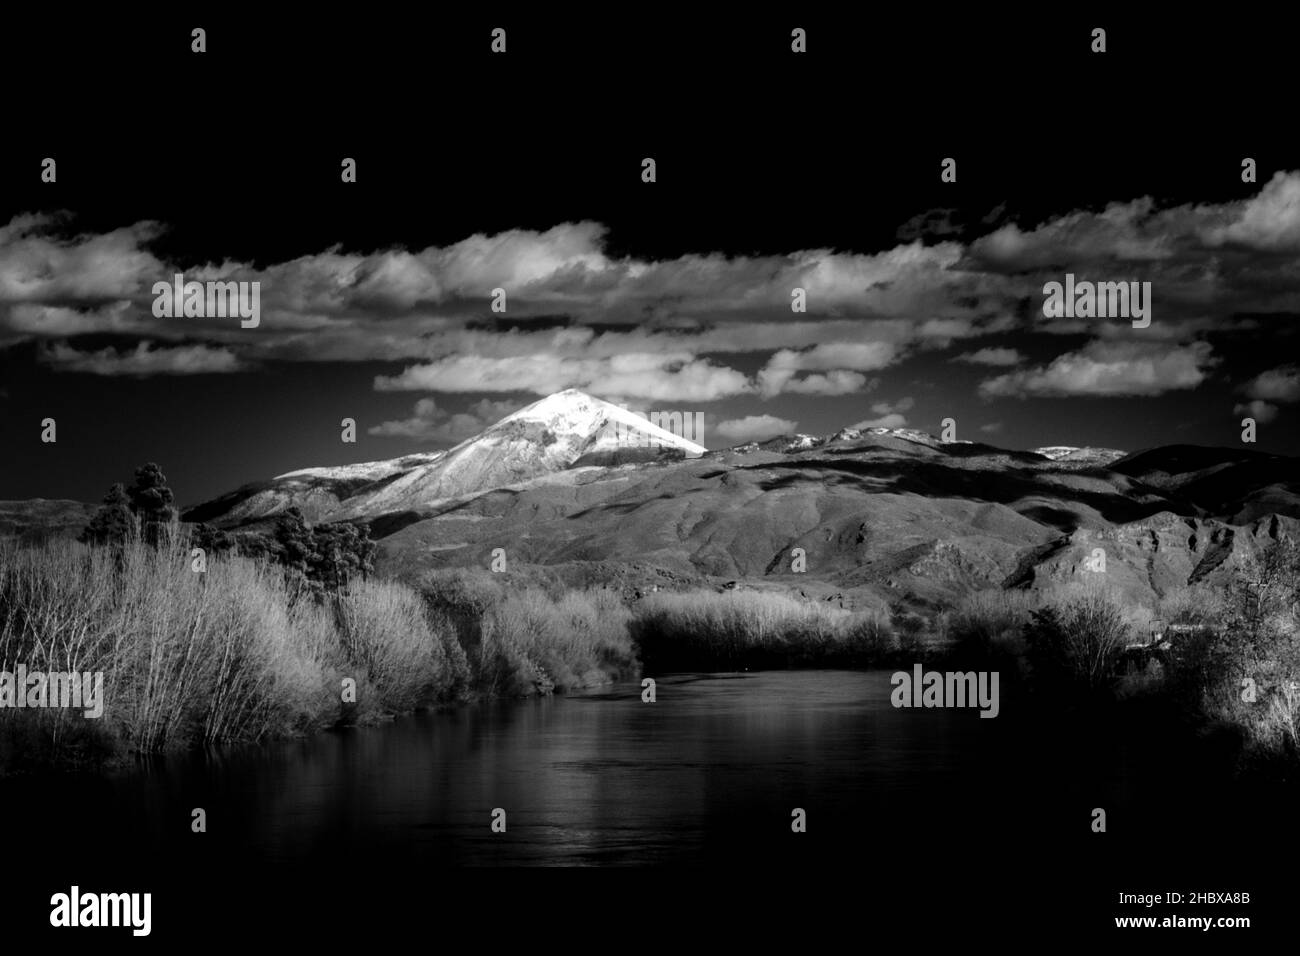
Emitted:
pixel 914 435
pixel 1054 451
pixel 560 431
pixel 564 430
pixel 366 470
pixel 1072 454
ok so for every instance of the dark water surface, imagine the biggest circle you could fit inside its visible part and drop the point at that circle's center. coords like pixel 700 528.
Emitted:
pixel 707 775
pixel 711 771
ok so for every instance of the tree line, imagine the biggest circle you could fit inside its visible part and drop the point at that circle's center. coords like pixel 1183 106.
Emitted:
pixel 326 556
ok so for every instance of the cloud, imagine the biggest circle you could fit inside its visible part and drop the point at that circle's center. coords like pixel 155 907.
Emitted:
pixel 38 266
pixel 754 428
pixel 654 377
pixel 992 428
pixel 991 356
pixel 1109 368
pixel 1269 221
pixel 1125 231
pixel 582 315
pixel 144 360
pixel 933 222
pixel 884 421
pixel 1262 412
pixel 430 423
pixel 902 405
pixel 841 361
pixel 1276 385
pixel 888 414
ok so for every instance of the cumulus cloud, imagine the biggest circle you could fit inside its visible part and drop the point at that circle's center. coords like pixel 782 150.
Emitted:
pixel 1268 221
pixel 1126 231
pixel 892 420
pixel 38 266
pixel 888 414
pixel 837 367
pixel 663 330
pixel 655 377
pixel 902 405
pixel 1109 368
pixel 754 428
pixel 1262 412
pixel 144 360
pixel 991 356
pixel 433 424
pixel 1276 385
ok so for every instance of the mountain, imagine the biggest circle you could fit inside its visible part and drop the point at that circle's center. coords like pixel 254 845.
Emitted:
pixel 879 515
pixel 1237 484
pixel 38 519
pixel 1083 456
pixel 563 431
pixel 880 518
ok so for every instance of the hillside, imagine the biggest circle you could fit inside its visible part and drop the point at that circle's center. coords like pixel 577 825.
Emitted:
pixel 594 492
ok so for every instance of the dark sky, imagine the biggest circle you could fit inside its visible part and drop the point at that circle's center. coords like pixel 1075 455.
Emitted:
pixel 523 171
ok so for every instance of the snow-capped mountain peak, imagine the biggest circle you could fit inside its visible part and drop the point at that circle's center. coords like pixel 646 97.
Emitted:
pixel 564 430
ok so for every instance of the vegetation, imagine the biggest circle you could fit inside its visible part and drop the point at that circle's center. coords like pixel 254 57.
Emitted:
pixel 262 639
pixel 525 635
pixel 146 507
pixel 250 648
pixel 736 629
pixel 1228 663
pixel 327 556
pixel 236 653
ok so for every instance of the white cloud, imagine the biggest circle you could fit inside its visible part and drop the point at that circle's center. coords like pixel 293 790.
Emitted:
pixel 1262 412
pixel 841 361
pixel 884 421
pixel 1109 368
pixel 36 266
pixel 991 356
pixel 144 360
pixel 888 414
pixel 656 377
pixel 754 428
pixel 429 423
pixel 1128 231
pixel 1269 220
pixel 902 405
pixel 1276 385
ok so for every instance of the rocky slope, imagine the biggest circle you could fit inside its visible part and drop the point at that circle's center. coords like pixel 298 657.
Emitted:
pixel 872 516
pixel 565 430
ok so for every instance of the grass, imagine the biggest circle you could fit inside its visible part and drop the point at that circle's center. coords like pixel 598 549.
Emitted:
pixel 535 643
pixel 1234 672
pixel 699 629
pixel 245 651
pixel 237 653
pixel 527 635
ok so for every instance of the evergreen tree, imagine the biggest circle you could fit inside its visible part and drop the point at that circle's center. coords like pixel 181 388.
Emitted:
pixel 295 545
pixel 151 499
pixel 211 540
pixel 113 522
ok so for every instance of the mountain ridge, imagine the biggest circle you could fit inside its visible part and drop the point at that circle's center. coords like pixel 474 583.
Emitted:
pixel 880 515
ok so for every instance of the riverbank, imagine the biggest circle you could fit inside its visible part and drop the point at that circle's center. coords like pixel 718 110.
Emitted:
pixel 228 649
pixel 188 652
pixel 194 651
